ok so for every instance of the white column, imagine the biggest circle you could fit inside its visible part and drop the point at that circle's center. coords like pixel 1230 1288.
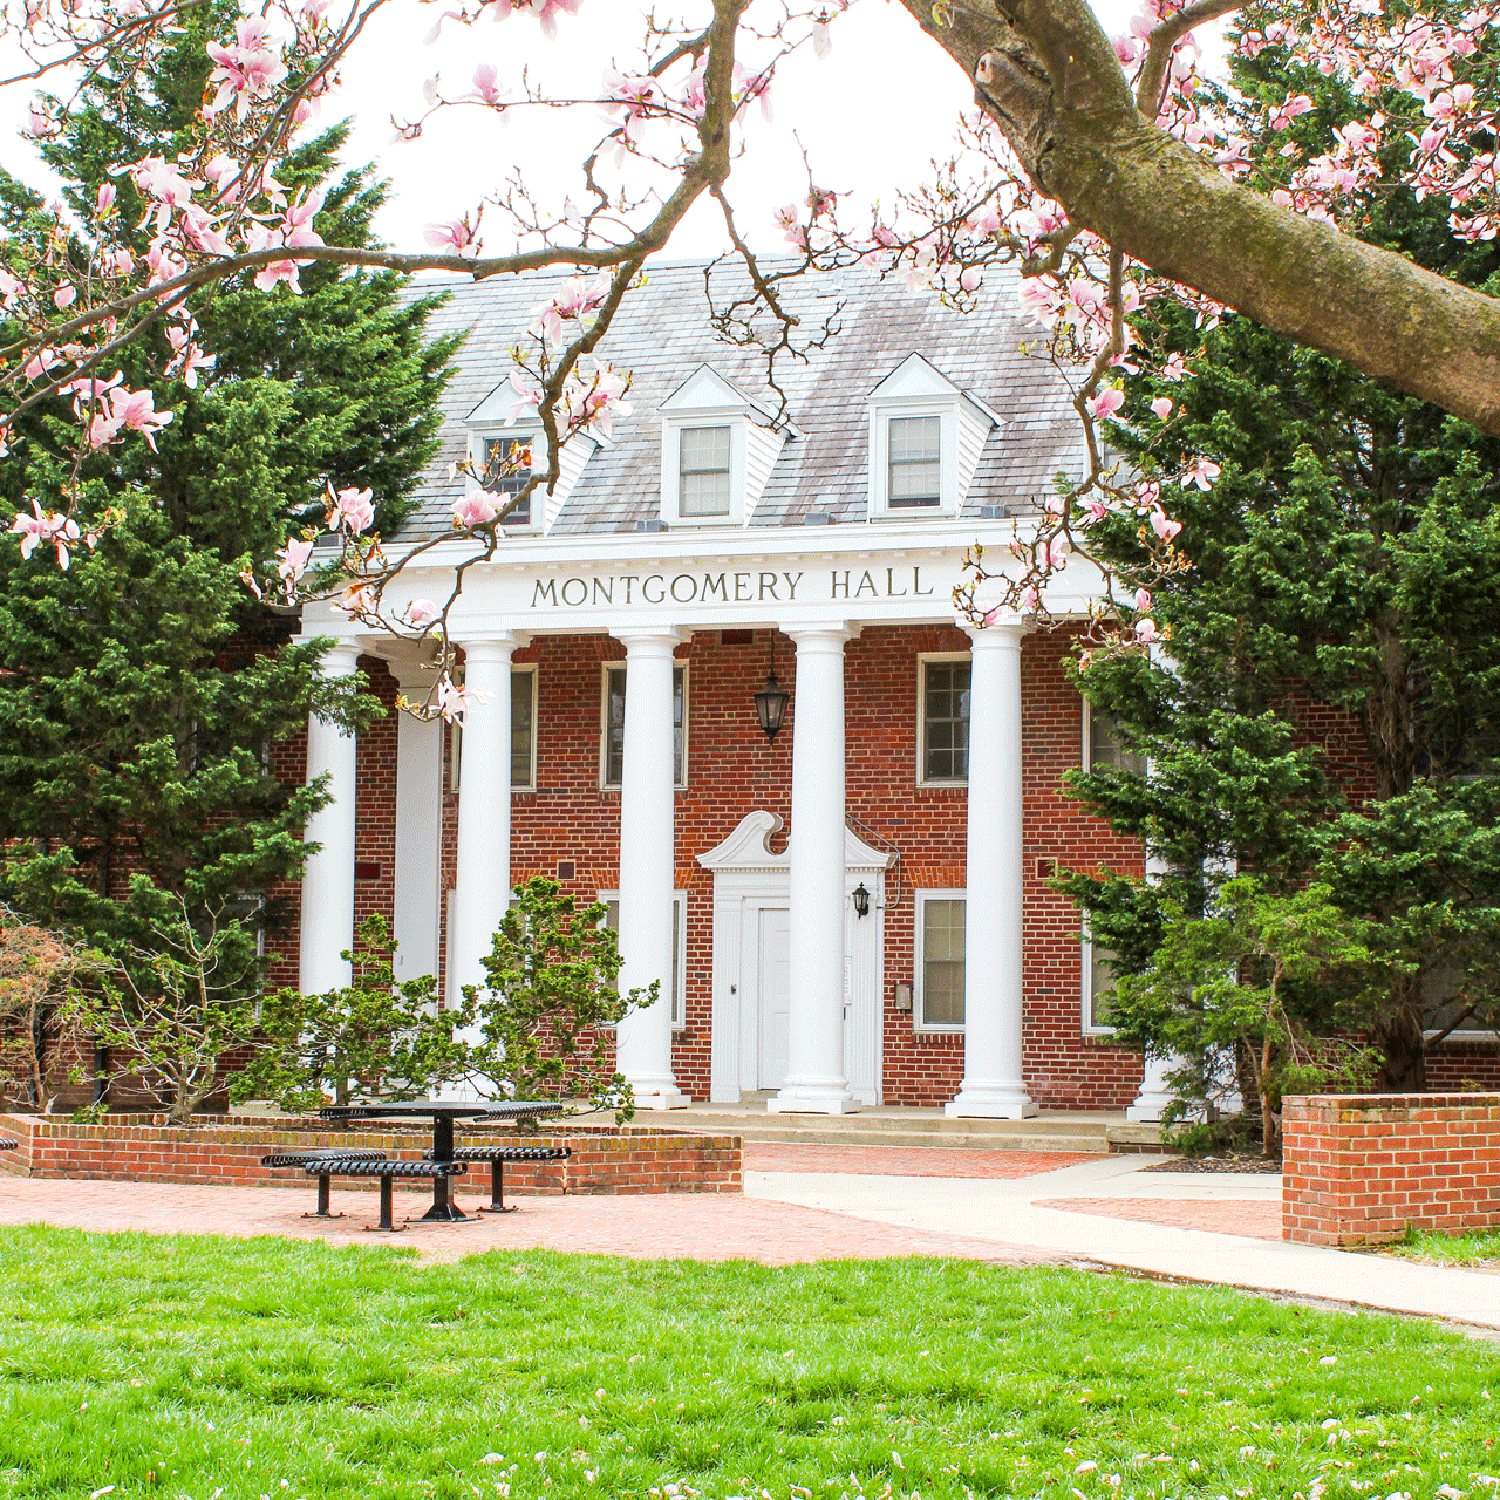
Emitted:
pixel 328 879
pixel 648 816
pixel 419 837
pixel 482 892
pixel 816 1082
pixel 992 1086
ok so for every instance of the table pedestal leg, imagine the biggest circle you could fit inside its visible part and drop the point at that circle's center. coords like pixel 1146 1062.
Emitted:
pixel 496 1205
pixel 443 1208
pixel 322 1212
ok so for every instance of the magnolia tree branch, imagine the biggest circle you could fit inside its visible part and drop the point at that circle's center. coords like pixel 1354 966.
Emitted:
pixel 1046 73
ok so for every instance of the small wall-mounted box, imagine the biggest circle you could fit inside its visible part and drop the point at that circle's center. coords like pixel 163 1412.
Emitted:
pixel 903 994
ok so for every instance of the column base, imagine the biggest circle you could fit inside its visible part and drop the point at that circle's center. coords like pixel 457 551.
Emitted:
pixel 813 1099
pixel 659 1096
pixel 1147 1109
pixel 991 1102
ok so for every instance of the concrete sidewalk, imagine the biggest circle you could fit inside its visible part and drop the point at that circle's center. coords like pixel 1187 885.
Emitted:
pixel 1013 1213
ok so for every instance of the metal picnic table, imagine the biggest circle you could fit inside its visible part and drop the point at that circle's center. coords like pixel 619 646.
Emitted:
pixel 442 1114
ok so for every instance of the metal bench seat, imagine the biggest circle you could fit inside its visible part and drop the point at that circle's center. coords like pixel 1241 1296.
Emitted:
pixel 327 1153
pixel 497 1156
pixel 357 1165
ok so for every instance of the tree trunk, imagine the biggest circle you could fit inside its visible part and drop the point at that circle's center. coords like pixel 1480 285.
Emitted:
pixel 1052 84
pixel 1399 1037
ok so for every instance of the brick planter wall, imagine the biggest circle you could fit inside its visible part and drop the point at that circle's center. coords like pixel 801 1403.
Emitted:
pixel 1359 1169
pixel 140 1148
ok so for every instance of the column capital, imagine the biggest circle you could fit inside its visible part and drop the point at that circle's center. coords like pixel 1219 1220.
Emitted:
pixel 493 648
pixel 833 632
pixel 340 660
pixel 1002 628
pixel 649 640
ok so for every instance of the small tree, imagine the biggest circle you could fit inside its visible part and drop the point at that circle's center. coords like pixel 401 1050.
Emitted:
pixel 37 969
pixel 1250 980
pixel 373 1039
pixel 550 995
pixel 173 1010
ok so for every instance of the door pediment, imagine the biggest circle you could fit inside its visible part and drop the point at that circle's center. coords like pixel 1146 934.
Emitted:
pixel 748 850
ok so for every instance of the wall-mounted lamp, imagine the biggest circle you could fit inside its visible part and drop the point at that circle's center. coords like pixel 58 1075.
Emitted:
pixel 861 900
pixel 771 700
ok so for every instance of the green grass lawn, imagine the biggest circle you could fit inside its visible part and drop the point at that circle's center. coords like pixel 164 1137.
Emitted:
pixel 269 1368
pixel 1477 1248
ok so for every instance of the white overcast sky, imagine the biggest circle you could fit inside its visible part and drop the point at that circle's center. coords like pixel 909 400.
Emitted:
pixel 871 116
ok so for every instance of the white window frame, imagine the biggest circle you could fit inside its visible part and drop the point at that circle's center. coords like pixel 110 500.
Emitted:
pixel 1087 747
pixel 529 668
pixel 673 427
pixel 1086 988
pixel 679 964
pixel 488 432
pixel 920 899
pixel 945 408
pixel 605 668
pixel 920 739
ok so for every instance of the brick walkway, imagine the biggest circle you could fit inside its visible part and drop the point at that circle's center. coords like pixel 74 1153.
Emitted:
pixel 905 1161
pixel 696 1226
pixel 1256 1219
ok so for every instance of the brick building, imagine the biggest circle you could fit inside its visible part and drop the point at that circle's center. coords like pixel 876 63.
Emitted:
pixel 856 911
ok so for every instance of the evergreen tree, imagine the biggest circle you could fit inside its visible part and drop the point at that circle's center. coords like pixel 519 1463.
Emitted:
pixel 142 690
pixel 1328 708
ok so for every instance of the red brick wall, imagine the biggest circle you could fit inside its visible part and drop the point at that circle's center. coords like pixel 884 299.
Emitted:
pixel 1359 1169
pixel 138 1148
pixel 732 769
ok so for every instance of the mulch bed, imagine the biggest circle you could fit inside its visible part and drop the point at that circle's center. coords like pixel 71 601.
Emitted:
pixel 1267 1164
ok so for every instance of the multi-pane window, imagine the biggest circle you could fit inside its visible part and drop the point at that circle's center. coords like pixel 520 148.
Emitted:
pixel 523 728
pixel 704 473
pixel 945 720
pixel 504 468
pixel 915 462
pixel 940 959
pixel 1103 746
pixel 678 980
pixel 1098 986
pixel 614 725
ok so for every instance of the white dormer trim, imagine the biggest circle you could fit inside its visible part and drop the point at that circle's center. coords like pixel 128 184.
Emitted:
pixel 495 417
pixel 706 399
pixel 916 388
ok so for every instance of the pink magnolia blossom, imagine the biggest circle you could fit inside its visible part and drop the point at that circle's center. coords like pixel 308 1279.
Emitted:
pixel 487 88
pixel 1143 599
pixel 639 98
pixel 421 612
pixel 353 510
pixel 1164 526
pixel 62 531
pixel 291 560
pixel 65 296
pixel 104 200
pixel 1202 474
pixel 190 358
pixel 477 508
pixel 456 235
pixel 1162 406
pixel 247 70
pixel 1146 631
pixel 136 411
pixel 1106 403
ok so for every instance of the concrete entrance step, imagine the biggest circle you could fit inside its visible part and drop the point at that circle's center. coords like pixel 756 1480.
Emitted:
pixel 1052 1130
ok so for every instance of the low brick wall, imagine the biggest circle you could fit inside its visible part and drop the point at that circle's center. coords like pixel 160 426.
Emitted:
pixel 141 1148
pixel 1357 1169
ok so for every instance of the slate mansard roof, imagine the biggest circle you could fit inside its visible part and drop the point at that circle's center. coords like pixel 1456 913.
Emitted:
pixel 662 335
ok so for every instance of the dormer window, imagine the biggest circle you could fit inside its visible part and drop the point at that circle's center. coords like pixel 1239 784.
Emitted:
pixel 915 462
pixel 718 448
pixel 503 466
pixel 926 435
pixel 704 473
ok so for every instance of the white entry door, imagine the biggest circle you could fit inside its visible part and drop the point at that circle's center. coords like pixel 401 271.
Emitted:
pixel 773 993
